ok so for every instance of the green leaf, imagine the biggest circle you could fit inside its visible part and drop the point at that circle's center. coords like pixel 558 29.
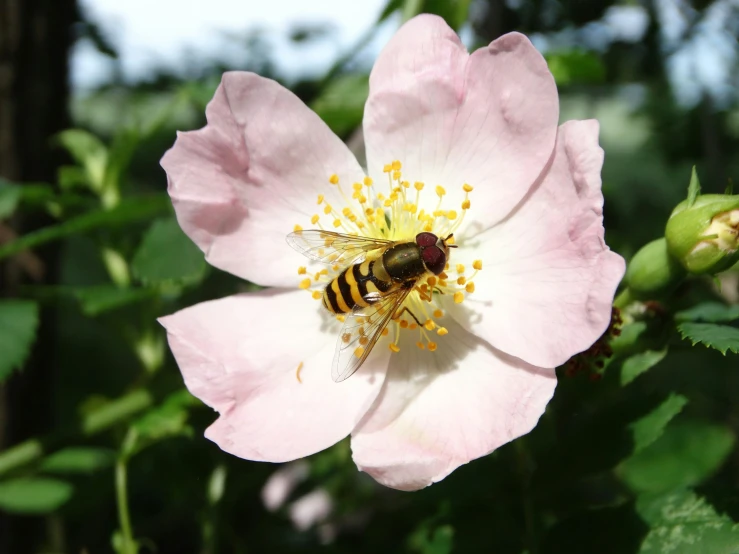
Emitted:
pixel 103 298
pixel 694 188
pixel 33 495
pixel 683 523
pixel 18 324
pixel 454 12
pixel 686 454
pixel 712 312
pixel 166 254
pixel 89 152
pixel 576 67
pixel 10 195
pixel 341 103
pixel 718 337
pixel 639 363
pixel 167 420
pixel 79 459
pixel 649 428
pixel 131 210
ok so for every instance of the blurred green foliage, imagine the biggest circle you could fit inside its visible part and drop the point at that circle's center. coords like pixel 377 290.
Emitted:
pixel 637 457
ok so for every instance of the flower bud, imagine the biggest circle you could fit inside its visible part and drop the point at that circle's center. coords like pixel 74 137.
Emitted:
pixel 704 236
pixel 652 272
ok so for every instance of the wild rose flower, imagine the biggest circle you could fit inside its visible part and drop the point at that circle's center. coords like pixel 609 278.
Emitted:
pixel 455 142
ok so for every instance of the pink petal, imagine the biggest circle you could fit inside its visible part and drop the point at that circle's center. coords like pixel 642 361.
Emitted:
pixel 488 119
pixel 240 184
pixel 547 285
pixel 439 410
pixel 241 354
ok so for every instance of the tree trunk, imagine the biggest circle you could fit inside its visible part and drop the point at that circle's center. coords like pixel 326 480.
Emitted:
pixel 35 38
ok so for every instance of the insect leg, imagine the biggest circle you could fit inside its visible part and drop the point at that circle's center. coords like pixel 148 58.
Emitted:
pixel 406 309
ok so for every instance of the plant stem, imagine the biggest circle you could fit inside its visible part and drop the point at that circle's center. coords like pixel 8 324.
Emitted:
pixel 128 545
pixel 524 468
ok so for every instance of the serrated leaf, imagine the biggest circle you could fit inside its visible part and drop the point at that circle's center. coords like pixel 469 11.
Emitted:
pixel 10 195
pixel 711 312
pixel 686 454
pixel 684 523
pixel 33 495
pixel 79 459
pixel 166 254
pixel 718 337
pixel 18 324
pixel 649 428
pixel 131 210
pixel 639 363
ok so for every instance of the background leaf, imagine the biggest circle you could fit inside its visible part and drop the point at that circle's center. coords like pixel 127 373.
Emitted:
pixel 33 495
pixel 18 324
pixel 10 194
pixel 79 459
pixel 166 254
pixel 712 312
pixel 719 337
pixel 639 363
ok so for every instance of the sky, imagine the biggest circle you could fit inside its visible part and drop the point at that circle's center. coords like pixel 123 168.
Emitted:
pixel 151 33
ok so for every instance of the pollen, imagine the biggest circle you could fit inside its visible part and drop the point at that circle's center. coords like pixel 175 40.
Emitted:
pixel 440 190
pixel 320 199
pixel 396 165
pixel 297 372
pixel 305 284
pixel 297 229
pixel 337 223
pixel 385 332
pixel 432 346
pixel 438 314
pixel 327 209
pixel 465 204
pixel 420 345
pixel 314 219
pixel 477 264
pixel 394 347
pixel 403 323
pixel 470 288
pixel 461 280
pixel 418 186
pixel 458 297
pixel 441 331
pixel 302 270
pixel 467 188
pixel 429 325
pixel 316 295
pixel 451 215
pixel 334 179
pixel 358 351
pixel 367 181
pixel 460 268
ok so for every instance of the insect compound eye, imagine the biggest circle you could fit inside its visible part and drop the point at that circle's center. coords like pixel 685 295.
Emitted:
pixel 434 258
pixel 426 239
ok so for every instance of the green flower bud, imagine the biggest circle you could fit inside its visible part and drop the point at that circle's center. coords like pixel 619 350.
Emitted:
pixel 704 235
pixel 652 272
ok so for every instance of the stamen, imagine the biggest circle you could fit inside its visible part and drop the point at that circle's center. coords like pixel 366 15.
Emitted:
pixel 297 372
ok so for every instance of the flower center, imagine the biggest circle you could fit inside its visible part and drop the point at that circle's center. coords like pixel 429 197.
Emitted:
pixel 395 215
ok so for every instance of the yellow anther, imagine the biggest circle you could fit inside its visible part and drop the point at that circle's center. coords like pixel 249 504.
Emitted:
pixel 317 276
pixel 396 165
pixel 418 185
pixel 477 264
pixel 346 337
pixel 347 212
pixel 324 271
pixel 420 345
pixel 388 203
pixel 460 268
pixel 413 326
pixel 442 283
pixel 441 331
pixel 432 281
pixel 461 280
pixel 320 199
pixel 405 184
pixel 369 211
pixel 385 332
pixel 327 209
pixel 451 215
pixel 443 274
pixel 387 168
pixel 439 213
pixel 334 179
pixel 302 270
pixel 394 347
pixel 428 227
pixel 362 199
pixel 357 186
pixel 396 175
pixel 470 287
pixel 458 297
pixel 367 181
pixel 359 351
pixel 297 229
pixel 316 295
pixel 341 317
pixel 438 313
pixel 363 341
pixel 314 219
pixel 304 284
pixel 335 267
pixel 403 324
pixel 467 188
pixel 465 204
pixel 297 372
pixel 432 346
pixel 430 325
pixel 440 190
pixel 337 223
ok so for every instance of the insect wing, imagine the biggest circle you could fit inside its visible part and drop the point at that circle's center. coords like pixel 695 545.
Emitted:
pixel 333 248
pixel 361 330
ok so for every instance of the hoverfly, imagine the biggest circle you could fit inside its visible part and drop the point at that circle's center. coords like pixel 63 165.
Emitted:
pixel 378 276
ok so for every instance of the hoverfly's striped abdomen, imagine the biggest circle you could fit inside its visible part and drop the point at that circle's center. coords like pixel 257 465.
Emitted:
pixel 351 287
